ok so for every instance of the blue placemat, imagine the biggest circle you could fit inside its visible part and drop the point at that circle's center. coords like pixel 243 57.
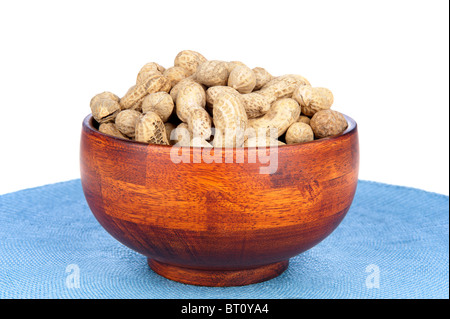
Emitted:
pixel 393 243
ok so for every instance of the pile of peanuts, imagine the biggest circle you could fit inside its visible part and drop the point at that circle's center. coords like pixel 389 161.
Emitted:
pixel 188 102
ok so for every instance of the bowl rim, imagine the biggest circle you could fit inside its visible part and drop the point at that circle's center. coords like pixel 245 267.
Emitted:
pixel 88 124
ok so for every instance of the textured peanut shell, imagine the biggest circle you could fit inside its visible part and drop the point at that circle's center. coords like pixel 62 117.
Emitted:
pixel 189 60
pixel 138 105
pixel 255 104
pixel 242 79
pixel 134 97
pixel 313 99
pixel 199 123
pixel 161 103
pixel 230 120
pixel 149 69
pixel 169 128
pixel 281 115
pixel 262 77
pixel 105 95
pixel 150 129
pixel 299 132
pixel 166 87
pixel 105 107
pixel 174 91
pixel 328 123
pixel 126 122
pixel 111 129
pixel 304 119
pixel 262 142
pixel 181 135
pixel 282 86
pixel 175 74
pixel 214 91
pixel 212 73
pixel 176 88
pixel 232 64
pixel 191 96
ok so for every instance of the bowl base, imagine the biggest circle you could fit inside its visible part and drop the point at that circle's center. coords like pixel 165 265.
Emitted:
pixel 218 278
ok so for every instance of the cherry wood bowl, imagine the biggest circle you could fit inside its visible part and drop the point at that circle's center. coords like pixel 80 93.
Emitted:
pixel 218 224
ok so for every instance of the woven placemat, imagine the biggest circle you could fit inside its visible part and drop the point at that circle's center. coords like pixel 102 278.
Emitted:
pixel 393 243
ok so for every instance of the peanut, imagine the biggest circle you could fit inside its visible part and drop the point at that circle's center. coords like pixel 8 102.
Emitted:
pixel 169 128
pixel 181 135
pixel 176 88
pixel 242 78
pixel 191 96
pixel 105 95
pixel 299 132
pixel 214 91
pixel 189 60
pixel 328 123
pixel 126 122
pixel 161 103
pixel 149 69
pixel 312 99
pixel 231 65
pixel 134 97
pixel 166 86
pixel 255 104
pixel 150 129
pixel 111 129
pixel 190 79
pixel 240 103
pixel 212 73
pixel 105 107
pixel 282 114
pixel 175 74
pixel 304 119
pixel 199 142
pixel 262 77
pixel 230 120
pixel 262 141
pixel 282 86
pixel 199 123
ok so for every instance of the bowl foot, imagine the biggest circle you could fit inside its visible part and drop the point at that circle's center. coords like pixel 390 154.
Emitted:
pixel 218 278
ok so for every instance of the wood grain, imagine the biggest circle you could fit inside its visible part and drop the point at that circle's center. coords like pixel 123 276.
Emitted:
pixel 215 224
pixel 218 278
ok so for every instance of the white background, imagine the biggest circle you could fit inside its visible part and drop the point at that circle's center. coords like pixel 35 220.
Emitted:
pixel 387 63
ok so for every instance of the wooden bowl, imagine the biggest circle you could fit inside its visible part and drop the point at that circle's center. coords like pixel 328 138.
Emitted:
pixel 218 224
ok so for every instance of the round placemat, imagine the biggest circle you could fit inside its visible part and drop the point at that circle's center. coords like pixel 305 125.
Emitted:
pixel 393 243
